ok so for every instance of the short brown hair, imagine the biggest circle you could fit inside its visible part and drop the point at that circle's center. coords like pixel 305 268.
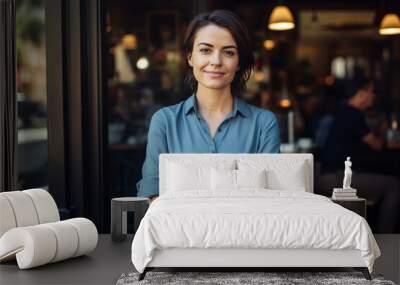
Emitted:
pixel 238 30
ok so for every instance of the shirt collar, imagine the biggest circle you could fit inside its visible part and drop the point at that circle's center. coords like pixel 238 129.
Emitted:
pixel 190 104
pixel 238 106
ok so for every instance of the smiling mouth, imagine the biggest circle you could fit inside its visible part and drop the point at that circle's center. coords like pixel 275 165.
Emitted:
pixel 214 73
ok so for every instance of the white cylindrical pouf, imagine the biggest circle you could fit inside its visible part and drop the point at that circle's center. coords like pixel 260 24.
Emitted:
pixel 45 205
pixel 7 218
pixel 34 246
pixel 23 207
pixel 67 239
pixel 87 234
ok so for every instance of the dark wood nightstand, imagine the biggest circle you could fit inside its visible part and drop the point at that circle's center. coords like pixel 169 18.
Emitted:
pixel 119 208
pixel 357 205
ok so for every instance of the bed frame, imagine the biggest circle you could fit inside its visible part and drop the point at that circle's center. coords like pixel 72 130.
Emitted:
pixel 256 258
pixel 250 257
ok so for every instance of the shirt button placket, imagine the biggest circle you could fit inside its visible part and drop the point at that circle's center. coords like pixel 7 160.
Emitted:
pixel 212 147
pixel 217 138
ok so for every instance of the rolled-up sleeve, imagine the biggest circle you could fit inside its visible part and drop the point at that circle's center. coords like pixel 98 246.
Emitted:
pixel 156 144
pixel 270 141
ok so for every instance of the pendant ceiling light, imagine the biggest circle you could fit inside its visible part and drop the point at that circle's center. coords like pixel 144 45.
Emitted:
pixel 129 41
pixel 390 25
pixel 281 19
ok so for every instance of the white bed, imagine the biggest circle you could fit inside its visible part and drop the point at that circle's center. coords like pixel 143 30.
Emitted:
pixel 203 220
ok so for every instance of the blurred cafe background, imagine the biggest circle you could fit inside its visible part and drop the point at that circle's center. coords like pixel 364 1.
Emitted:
pixel 308 54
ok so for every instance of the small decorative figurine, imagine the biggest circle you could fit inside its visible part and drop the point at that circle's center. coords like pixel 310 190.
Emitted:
pixel 347 174
pixel 347 192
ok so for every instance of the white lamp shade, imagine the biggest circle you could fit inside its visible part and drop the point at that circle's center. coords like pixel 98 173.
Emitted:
pixel 390 25
pixel 281 19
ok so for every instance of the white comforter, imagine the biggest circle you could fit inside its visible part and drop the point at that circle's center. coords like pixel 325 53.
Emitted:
pixel 250 219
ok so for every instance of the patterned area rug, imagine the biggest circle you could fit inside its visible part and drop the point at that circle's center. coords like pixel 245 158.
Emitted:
pixel 242 278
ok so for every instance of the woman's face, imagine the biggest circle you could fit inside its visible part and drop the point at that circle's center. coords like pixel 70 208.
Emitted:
pixel 214 57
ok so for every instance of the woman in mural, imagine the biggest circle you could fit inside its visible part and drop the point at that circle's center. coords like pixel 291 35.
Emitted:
pixel 213 119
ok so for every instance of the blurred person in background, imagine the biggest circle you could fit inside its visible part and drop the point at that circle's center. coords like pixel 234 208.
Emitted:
pixel 350 135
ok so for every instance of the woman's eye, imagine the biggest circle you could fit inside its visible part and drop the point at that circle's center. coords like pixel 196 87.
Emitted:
pixel 204 50
pixel 229 53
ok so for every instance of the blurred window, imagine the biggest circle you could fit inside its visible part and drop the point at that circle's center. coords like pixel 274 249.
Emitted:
pixel 31 94
pixel 338 67
pixel 350 66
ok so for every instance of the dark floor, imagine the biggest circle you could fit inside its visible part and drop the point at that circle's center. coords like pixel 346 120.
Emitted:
pixel 102 266
pixel 110 260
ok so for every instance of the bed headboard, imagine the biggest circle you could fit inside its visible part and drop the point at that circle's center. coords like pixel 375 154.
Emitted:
pixel 307 158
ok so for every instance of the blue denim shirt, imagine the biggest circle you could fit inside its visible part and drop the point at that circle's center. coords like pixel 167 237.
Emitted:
pixel 180 128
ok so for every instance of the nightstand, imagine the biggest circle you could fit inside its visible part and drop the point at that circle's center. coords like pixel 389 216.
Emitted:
pixel 119 209
pixel 357 205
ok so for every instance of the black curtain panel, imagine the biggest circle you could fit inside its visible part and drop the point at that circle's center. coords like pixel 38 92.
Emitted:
pixel 75 108
pixel 8 110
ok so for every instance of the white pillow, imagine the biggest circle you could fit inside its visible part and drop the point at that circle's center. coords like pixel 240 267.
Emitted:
pixel 186 175
pixel 237 179
pixel 223 179
pixel 282 174
pixel 251 178
pixel 187 178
